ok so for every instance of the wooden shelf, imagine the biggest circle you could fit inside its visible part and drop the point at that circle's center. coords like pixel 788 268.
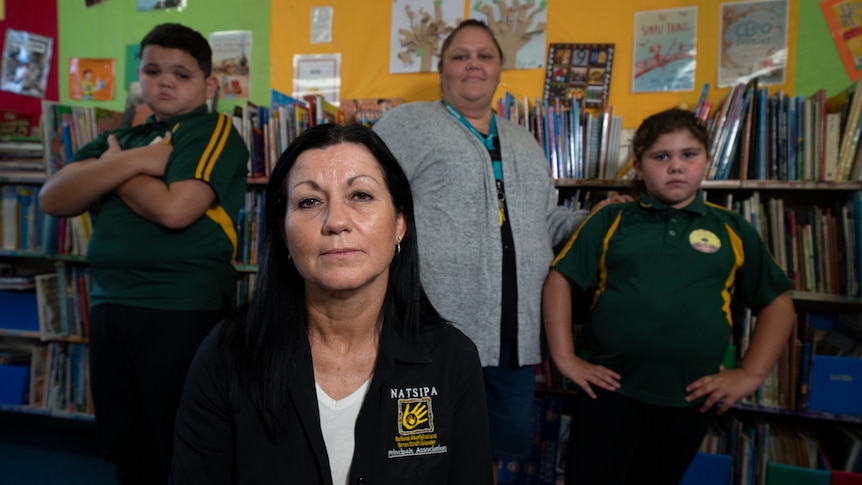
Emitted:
pixel 20 408
pixel 73 258
pixel 30 334
pixel 845 418
pixel 22 178
pixel 813 297
pixel 245 268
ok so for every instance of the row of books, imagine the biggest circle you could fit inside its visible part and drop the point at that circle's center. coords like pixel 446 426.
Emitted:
pixel 759 135
pixel 63 302
pixel 26 228
pixel 753 135
pixel 65 129
pixel 20 218
pixel 268 131
pixel 59 378
pixel 817 246
pixel 578 143
pixel 21 156
pixel 250 226
pixel 772 450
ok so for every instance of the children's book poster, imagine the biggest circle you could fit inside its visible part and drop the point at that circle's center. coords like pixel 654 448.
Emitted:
pixel 519 27
pixel 417 32
pixel 144 5
pixel 232 62
pixel 844 19
pixel 665 46
pixel 317 74
pixel 26 62
pixel 580 72
pixel 753 43
pixel 91 79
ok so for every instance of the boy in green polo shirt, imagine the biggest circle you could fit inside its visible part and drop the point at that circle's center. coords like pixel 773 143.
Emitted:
pixel 662 270
pixel 168 194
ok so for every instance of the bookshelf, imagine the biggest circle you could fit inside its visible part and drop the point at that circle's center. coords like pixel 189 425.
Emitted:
pixel 800 399
pixel 55 382
pixel 45 372
pixel 792 166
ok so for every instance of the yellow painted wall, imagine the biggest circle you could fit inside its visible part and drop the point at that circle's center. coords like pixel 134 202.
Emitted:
pixel 361 36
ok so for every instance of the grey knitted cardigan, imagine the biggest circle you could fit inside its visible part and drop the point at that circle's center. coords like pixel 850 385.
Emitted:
pixel 452 179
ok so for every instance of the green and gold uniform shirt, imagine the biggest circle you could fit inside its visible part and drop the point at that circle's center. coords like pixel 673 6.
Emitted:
pixel 137 262
pixel 663 280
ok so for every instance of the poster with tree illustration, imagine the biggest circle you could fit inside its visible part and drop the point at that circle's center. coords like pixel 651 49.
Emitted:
pixel 418 29
pixel 519 28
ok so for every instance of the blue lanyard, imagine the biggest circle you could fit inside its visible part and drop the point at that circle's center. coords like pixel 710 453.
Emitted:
pixel 488 141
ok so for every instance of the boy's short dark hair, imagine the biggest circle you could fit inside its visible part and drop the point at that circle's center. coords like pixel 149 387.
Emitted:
pixel 178 36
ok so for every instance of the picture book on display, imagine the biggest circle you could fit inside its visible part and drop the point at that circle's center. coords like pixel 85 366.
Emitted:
pixel 25 63
pixel 579 71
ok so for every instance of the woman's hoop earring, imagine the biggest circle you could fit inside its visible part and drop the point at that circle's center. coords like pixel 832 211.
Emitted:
pixel 397 248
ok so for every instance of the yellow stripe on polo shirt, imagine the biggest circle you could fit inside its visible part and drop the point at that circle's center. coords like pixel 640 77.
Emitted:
pixel 603 261
pixel 213 149
pixel 220 217
pixel 739 259
pixel 571 241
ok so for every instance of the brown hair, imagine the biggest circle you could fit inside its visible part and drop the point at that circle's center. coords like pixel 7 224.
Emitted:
pixel 463 25
pixel 662 123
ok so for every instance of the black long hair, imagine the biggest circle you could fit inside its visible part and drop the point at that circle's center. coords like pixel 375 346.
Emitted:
pixel 267 339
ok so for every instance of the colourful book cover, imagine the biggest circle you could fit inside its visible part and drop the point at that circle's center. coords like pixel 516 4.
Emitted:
pixel 91 79
pixel 580 72
pixel 665 44
pixel 844 20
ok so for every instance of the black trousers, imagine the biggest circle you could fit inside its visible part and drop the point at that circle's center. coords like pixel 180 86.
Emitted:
pixel 616 440
pixel 139 358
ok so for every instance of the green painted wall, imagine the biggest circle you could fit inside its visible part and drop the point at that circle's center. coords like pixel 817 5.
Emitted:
pixel 105 30
pixel 817 62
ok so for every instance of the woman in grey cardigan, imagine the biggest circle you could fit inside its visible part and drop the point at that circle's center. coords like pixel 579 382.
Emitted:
pixel 488 218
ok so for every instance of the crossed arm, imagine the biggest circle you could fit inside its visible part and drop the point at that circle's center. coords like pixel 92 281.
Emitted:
pixel 135 176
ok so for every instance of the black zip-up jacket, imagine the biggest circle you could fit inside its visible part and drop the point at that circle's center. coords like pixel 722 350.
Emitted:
pixel 220 438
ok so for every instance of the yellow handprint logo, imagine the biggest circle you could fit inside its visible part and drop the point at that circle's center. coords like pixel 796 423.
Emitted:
pixel 414 417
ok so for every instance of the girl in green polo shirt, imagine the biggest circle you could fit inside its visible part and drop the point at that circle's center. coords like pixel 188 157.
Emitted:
pixel 661 272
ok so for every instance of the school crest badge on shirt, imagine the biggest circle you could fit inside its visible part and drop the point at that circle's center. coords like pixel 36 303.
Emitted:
pixel 704 241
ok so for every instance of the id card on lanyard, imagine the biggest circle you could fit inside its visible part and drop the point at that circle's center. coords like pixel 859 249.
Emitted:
pixel 488 141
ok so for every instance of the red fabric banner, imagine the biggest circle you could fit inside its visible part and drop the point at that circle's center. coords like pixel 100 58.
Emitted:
pixel 37 17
